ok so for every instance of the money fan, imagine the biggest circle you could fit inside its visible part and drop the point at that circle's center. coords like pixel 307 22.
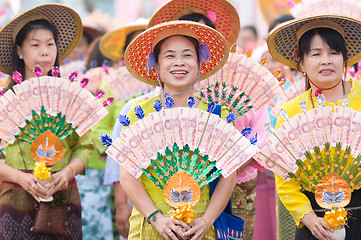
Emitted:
pixel 296 89
pixel 122 83
pixel 242 84
pixel 323 146
pixel 183 146
pixel 350 8
pixel 43 111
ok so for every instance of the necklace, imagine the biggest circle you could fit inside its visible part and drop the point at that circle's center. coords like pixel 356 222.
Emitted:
pixel 319 90
pixel 343 90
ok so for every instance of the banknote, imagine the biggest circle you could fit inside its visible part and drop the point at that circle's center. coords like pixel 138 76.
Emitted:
pixel 24 95
pixel 274 162
pixel 143 127
pixel 123 156
pixel 241 157
pixel 222 132
pixel 84 126
pixel 205 128
pixel 341 125
pixel 12 105
pixel 158 132
pixel 132 139
pixel 282 146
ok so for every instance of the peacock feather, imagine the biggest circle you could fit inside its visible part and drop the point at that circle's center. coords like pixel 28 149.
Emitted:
pixel 45 122
pixel 165 166
pixel 322 162
pixel 229 96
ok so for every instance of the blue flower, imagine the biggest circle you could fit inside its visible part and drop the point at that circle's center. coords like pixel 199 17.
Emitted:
pixel 169 102
pixel 139 112
pixel 246 131
pixel 231 117
pixel 106 140
pixel 253 139
pixel 211 107
pixel 158 105
pixel 191 102
pixel 124 120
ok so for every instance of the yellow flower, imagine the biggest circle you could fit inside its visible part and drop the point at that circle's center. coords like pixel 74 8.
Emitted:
pixel 336 217
pixel 41 171
pixel 185 213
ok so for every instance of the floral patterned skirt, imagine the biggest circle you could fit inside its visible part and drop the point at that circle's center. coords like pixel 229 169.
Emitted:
pixel 17 213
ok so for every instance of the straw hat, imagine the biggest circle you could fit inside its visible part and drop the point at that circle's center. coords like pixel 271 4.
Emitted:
pixel 66 21
pixel 283 40
pixel 112 44
pixel 222 14
pixel 136 55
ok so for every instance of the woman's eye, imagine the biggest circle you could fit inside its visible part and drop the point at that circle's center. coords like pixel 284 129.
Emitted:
pixel 35 45
pixel 169 56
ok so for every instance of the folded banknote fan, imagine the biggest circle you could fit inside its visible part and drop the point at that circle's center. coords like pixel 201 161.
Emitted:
pixel 123 84
pixel 182 146
pixel 45 110
pixel 242 84
pixel 320 149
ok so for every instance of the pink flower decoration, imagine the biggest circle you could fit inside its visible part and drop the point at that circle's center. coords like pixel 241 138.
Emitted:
pixel 55 71
pixel 211 15
pixel 108 101
pixel 73 76
pixel 2 92
pixel 17 77
pixel 38 71
pixel 100 94
pixel 105 68
pixel 84 82
pixel 291 3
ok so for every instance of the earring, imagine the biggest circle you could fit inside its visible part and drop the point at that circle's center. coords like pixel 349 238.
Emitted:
pixel 20 57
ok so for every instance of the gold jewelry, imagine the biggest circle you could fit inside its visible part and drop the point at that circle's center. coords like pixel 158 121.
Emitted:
pixel 205 222
pixel 72 170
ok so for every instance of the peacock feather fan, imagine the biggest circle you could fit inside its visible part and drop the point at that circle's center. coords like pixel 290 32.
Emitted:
pixel 241 85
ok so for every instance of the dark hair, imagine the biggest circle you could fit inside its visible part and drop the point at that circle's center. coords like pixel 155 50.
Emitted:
pixel 333 39
pixel 17 63
pixel 87 37
pixel 94 57
pixel 129 38
pixel 252 29
pixel 157 47
pixel 196 17
pixel 280 19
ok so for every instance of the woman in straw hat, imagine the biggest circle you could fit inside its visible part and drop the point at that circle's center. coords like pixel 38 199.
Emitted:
pixel 175 64
pixel 321 47
pixel 43 36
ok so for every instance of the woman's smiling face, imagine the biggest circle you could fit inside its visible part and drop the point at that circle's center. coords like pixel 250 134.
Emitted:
pixel 178 64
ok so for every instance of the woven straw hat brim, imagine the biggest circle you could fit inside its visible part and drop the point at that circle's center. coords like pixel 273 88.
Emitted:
pixel 282 41
pixel 227 19
pixel 112 43
pixel 66 21
pixel 136 55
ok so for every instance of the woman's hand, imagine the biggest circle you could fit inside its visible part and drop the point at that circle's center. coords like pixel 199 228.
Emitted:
pixel 60 180
pixel 122 215
pixel 198 230
pixel 167 227
pixel 28 182
pixel 317 226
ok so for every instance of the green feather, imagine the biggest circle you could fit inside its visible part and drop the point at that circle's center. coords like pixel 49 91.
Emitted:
pixel 153 179
pixel 211 178
pixel 185 157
